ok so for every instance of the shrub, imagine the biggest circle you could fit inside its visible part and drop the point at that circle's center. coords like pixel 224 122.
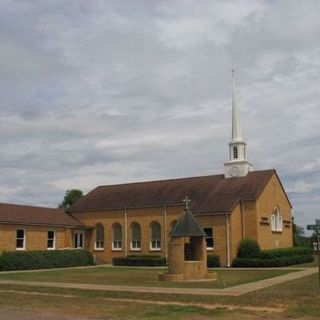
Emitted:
pixel 276 258
pixel 248 248
pixel 275 262
pixel 28 260
pixel 213 261
pixel 140 261
pixel 284 252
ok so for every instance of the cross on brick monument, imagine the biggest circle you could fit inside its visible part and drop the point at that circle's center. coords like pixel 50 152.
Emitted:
pixel 187 201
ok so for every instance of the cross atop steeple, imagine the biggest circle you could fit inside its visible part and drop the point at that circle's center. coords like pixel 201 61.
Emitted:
pixel 186 200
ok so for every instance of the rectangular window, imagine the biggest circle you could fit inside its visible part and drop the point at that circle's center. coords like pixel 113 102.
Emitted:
pixel 135 244
pixel 155 244
pixel 51 240
pixel 99 244
pixel 116 245
pixel 20 239
pixel 209 237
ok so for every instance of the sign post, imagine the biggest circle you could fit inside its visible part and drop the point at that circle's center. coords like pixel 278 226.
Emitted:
pixel 316 229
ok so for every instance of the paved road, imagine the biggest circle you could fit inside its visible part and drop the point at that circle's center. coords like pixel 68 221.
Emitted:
pixel 232 291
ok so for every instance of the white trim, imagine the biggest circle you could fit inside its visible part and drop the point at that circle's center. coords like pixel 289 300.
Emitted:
pixel 98 248
pixel 116 248
pixel 228 240
pixel 125 232
pixel 24 239
pixel 135 248
pixel 83 239
pixel 155 248
pixel 165 232
pixel 276 220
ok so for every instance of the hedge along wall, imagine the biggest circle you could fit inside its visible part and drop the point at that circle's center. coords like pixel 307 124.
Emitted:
pixel 276 258
pixel 156 261
pixel 27 260
pixel 140 261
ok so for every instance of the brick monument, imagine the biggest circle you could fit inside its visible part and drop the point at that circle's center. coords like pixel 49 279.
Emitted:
pixel 187 250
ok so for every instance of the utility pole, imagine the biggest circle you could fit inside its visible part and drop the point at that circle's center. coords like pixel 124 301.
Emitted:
pixel 316 228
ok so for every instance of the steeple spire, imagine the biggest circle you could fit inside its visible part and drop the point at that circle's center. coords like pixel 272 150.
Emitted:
pixel 236 131
pixel 238 165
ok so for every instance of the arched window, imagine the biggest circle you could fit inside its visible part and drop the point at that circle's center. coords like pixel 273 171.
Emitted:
pixel 276 220
pixel 116 237
pixel 135 236
pixel 235 153
pixel 99 243
pixel 155 243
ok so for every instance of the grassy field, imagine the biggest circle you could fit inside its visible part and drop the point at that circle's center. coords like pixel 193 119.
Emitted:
pixel 299 299
pixel 142 277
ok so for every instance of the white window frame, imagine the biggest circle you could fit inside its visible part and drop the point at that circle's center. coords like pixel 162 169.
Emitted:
pixel 99 245
pixel 83 239
pixel 117 245
pixel 155 245
pixel 212 228
pixel 135 245
pixel 54 239
pixel 24 239
pixel 276 221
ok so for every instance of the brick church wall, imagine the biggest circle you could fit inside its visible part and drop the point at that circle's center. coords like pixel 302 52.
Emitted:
pixel 273 196
pixel 36 237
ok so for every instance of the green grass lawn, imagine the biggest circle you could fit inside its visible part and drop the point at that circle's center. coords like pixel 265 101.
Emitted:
pixel 299 298
pixel 143 277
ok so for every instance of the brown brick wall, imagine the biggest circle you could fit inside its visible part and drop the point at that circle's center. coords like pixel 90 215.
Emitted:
pixel 236 230
pixel 273 196
pixel 218 223
pixel 145 217
pixel 36 237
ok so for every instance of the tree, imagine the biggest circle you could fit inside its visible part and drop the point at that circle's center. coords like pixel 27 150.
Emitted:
pixel 71 196
pixel 299 237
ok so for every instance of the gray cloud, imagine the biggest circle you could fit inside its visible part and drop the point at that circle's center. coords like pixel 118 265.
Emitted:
pixel 112 91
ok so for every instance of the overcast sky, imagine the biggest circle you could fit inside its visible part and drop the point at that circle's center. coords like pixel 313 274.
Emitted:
pixel 103 92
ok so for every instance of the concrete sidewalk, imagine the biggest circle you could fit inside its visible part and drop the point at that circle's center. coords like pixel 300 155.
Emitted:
pixel 232 291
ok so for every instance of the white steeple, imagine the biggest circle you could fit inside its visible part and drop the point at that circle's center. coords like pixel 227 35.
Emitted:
pixel 236 131
pixel 238 165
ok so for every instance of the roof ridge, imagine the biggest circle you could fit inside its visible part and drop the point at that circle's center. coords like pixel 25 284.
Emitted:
pixel 29 206
pixel 163 180
pixel 173 179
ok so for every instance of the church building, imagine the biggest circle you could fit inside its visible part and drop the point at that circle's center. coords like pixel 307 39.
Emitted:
pixel 137 218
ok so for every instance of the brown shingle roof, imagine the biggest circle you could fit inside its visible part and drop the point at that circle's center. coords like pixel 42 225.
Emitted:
pixel 29 215
pixel 209 194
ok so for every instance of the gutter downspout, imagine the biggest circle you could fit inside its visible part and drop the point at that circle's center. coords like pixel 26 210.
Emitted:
pixel 125 232
pixel 165 232
pixel 228 239
pixel 243 219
